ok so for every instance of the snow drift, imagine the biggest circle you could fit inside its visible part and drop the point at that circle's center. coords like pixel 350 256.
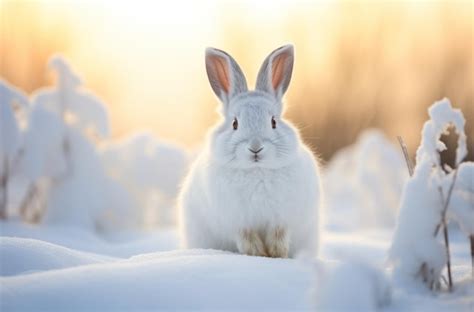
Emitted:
pixel 363 183
pixel 25 256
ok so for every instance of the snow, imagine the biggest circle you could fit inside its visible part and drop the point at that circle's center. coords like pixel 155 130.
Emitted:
pixel 25 256
pixel 171 280
pixel 119 245
pixel 10 98
pixel 442 116
pixel 417 252
pixel 10 139
pixel 462 201
pixel 42 145
pixel 364 182
pixel 9 93
pixel 79 196
pixel 151 172
pixel 60 161
pixel 365 288
pixel 105 237
pixel 88 111
pixel 414 243
pixel 58 268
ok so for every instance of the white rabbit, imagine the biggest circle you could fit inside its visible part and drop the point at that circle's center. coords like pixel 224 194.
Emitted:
pixel 255 188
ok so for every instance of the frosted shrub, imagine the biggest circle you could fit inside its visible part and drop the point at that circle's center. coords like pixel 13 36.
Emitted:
pixel 10 137
pixel 66 176
pixel 374 174
pixel 416 250
pixel 462 204
pixel 77 107
pixel 462 201
pixel 150 171
pixel 64 179
pixel 42 159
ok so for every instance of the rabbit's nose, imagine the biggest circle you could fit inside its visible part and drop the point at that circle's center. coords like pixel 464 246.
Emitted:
pixel 256 151
pixel 255 146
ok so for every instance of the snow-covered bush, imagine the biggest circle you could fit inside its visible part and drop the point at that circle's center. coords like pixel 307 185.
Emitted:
pixel 364 183
pixel 67 181
pixel 10 137
pixel 151 171
pixel 416 250
pixel 461 207
pixel 42 160
pixel 64 178
pixel 77 107
pixel 43 153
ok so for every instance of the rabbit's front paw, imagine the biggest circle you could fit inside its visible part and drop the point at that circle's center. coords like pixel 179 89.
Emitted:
pixel 277 242
pixel 250 243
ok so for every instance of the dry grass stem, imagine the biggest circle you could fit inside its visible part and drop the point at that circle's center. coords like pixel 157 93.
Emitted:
pixel 405 153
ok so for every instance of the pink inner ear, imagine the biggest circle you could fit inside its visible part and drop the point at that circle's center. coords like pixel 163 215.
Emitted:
pixel 278 68
pixel 222 72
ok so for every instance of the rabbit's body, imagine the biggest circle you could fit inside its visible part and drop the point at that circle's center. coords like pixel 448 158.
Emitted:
pixel 259 199
pixel 255 188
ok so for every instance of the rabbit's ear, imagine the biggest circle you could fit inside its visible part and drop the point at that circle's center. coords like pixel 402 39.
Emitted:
pixel 224 74
pixel 275 74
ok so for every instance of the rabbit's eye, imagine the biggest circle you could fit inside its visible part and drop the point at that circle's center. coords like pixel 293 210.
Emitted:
pixel 235 124
pixel 274 123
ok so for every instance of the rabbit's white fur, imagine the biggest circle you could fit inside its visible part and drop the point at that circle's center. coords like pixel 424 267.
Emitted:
pixel 263 203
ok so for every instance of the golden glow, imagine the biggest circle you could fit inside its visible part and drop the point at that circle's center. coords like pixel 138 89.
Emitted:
pixel 358 63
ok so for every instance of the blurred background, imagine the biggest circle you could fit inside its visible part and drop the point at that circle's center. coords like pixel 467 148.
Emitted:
pixel 359 64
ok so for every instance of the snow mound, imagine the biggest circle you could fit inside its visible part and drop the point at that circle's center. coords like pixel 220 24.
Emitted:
pixel 363 183
pixel 23 255
pixel 150 171
pixel 178 280
pixel 118 244
pixel 146 279
pixel 364 288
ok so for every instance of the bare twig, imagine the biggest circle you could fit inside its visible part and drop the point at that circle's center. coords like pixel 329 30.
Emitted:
pixel 4 190
pixel 444 280
pixel 448 262
pixel 26 201
pixel 405 153
pixel 472 254
pixel 446 203
pixel 444 224
pixel 66 148
pixel 35 202
pixel 446 238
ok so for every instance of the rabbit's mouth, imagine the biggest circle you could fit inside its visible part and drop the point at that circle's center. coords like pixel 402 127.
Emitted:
pixel 256 155
pixel 256 158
